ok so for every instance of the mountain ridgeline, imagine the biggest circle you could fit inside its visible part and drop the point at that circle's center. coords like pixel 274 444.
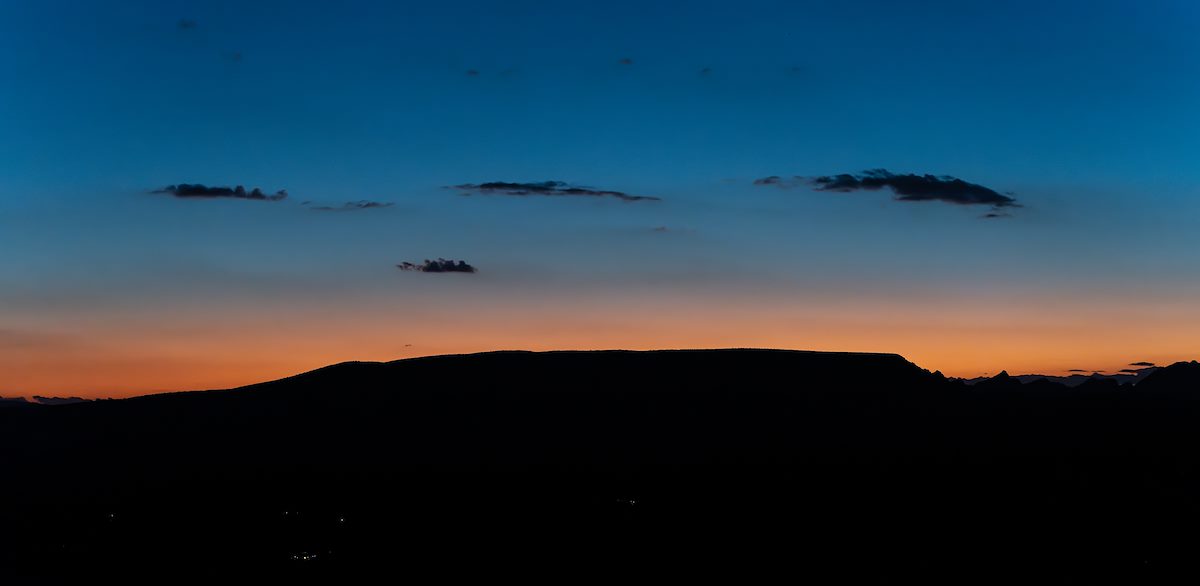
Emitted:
pixel 864 464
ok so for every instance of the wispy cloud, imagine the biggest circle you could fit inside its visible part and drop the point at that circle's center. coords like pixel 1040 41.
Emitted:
pixel 546 188
pixel 1143 363
pixel 196 190
pixel 440 265
pixel 780 181
pixel 351 206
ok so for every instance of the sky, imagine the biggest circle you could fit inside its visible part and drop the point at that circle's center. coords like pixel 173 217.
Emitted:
pixel 977 186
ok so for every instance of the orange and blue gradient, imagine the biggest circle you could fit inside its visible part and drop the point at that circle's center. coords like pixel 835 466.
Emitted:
pixel 1084 112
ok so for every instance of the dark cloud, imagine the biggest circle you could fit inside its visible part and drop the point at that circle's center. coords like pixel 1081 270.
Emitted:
pixel 777 180
pixel 662 229
pixel 440 265
pixel 473 72
pixel 991 215
pixel 547 188
pixel 625 61
pixel 706 71
pixel 1142 364
pixel 187 190
pixel 912 187
pixel 1078 370
pixel 351 205
pixel 185 24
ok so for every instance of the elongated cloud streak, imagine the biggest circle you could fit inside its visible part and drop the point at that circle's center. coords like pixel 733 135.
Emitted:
pixel 546 188
pixel 353 205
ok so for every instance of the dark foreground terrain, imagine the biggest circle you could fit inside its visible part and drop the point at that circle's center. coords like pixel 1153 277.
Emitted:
pixel 624 465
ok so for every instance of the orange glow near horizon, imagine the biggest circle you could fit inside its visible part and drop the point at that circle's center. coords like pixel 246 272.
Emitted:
pixel 959 340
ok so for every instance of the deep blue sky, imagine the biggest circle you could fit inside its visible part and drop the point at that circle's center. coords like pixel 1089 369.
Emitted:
pixel 1084 111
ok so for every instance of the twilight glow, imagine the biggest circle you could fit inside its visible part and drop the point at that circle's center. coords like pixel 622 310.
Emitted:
pixel 721 174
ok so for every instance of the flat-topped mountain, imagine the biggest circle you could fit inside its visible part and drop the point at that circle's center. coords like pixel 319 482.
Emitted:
pixel 514 456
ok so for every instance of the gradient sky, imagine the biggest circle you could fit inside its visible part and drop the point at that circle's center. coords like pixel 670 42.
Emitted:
pixel 1085 111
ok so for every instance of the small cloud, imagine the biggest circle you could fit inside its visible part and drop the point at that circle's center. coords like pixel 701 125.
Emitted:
pixel 351 206
pixel 186 190
pixel 440 265
pixel 186 24
pixel 991 215
pixel 473 72
pixel 662 229
pixel 773 180
pixel 1078 370
pixel 706 71
pixel 1142 364
pixel 625 61
pixel 234 56
pixel 546 188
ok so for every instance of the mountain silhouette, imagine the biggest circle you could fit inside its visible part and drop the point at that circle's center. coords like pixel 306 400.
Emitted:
pixel 1074 380
pixel 704 461
pixel 1180 378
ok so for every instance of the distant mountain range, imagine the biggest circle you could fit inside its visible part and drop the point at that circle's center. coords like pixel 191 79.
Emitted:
pixel 611 463
pixel 1133 376
pixel 40 400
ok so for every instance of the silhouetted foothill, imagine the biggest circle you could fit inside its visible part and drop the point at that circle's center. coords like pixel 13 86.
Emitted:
pixel 1181 377
pixel 1098 384
pixel 9 401
pixel 1000 381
